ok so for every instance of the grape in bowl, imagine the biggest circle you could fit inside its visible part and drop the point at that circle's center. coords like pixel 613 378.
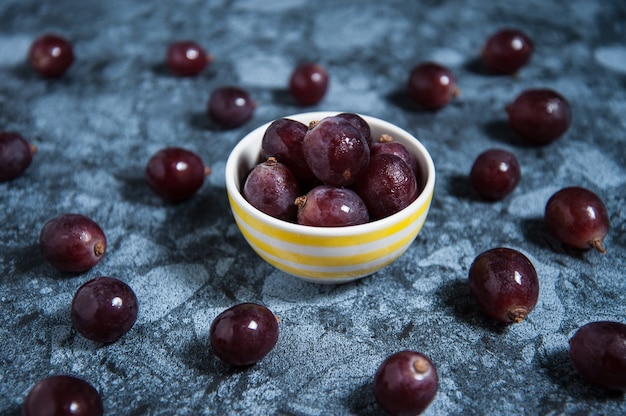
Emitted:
pixel 328 254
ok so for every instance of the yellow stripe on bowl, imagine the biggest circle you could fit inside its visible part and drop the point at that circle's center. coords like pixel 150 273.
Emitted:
pixel 331 274
pixel 356 253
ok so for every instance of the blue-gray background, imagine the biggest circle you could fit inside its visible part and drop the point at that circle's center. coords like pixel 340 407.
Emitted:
pixel 97 126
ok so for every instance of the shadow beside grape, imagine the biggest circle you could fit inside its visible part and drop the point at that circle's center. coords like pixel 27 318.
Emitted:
pixel 455 295
pixel 561 371
pixel 460 187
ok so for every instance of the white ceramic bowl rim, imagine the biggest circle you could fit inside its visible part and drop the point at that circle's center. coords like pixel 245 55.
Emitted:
pixel 234 182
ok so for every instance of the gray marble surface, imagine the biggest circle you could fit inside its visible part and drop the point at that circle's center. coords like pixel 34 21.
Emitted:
pixel 96 128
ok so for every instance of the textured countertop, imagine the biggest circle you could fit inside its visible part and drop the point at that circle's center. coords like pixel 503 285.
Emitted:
pixel 96 128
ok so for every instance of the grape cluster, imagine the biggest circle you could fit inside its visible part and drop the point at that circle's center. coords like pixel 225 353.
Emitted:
pixel 330 167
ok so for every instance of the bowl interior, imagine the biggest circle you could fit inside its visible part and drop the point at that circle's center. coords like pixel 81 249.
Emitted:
pixel 246 155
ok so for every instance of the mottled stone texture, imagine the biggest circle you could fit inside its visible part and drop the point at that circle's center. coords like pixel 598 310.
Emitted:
pixel 96 128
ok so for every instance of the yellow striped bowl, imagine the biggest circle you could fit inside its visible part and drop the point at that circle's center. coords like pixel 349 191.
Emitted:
pixel 328 254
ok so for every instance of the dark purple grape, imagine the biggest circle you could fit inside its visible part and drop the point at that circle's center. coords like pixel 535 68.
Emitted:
pixel 432 86
pixel 230 107
pixel 272 188
pixel 336 151
pixel 308 83
pixel 50 55
pixel 405 383
pixel 104 309
pixel 283 141
pixel 175 174
pixel 495 174
pixel 360 124
pixel 244 334
pixel 16 155
pixel 388 186
pixel 72 243
pixel 504 284
pixel 187 58
pixel 386 144
pixel 62 395
pixel 578 218
pixel 598 353
pixel 539 116
pixel 506 51
pixel 329 206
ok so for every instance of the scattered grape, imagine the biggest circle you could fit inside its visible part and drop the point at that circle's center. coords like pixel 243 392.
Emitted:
pixel 386 144
pixel 504 284
pixel 495 174
pixel 72 243
pixel 539 116
pixel 283 141
pixel 405 383
pixel 62 395
pixel 598 353
pixel 432 86
pixel 16 155
pixel 230 107
pixel 336 151
pixel 329 206
pixel 243 334
pixel 104 309
pixel 506 51
pixel 175 174
pixel 578 218
pixel 272 188
pixel 51 55
pixel 308 83
pixel 387 186
pixel 187 58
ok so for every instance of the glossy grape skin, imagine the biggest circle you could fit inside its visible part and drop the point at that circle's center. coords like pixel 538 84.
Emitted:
pixel 283 140
pixel 388 186
pixel 50 55
pixel 504 284
pixel 539 116
pixel 187 58
pixel 104 309
pixel 386 144
pixel 405 383
pixel 72 243
pixel 308 83
pixel 578 218
pixel 432 86
pixel 16 155
pixel 598 353
pixel 175 174
pixel 495 174
pixel 62 395
pixel 244 334
pixel 272 188
pixel 336 151
pixel 360 124
pixel 507 51
pixel 329 206
pixel 230 107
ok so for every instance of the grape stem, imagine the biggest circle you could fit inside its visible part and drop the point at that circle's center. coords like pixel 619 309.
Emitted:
pixel 421 365
pixel 597 244
pixel 98 249
pixel 300 201
pixel 517 314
